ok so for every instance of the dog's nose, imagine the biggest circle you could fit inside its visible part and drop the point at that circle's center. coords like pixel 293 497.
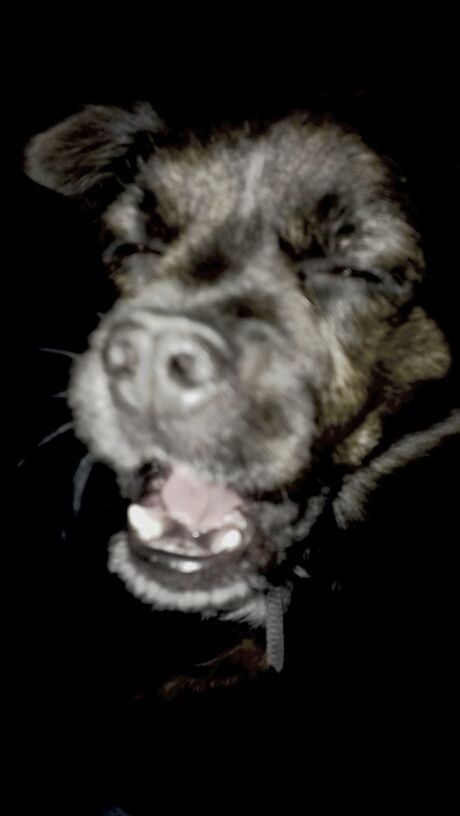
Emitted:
pixel 178 365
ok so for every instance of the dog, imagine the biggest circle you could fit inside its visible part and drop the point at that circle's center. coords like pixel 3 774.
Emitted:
pixel 268 332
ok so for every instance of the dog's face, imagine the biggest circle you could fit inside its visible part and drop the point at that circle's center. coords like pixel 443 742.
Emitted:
pixel 264 331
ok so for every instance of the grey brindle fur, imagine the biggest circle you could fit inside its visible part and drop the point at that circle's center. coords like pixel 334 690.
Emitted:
pixel 286 252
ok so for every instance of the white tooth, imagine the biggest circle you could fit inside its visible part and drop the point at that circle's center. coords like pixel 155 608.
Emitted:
pixel 143 523
pixel 228 540
pixel 187 566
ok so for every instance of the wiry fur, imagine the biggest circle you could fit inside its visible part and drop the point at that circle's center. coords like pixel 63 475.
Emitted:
pixel 289 243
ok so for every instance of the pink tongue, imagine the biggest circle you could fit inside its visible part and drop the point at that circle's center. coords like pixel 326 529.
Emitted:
pixel 198 505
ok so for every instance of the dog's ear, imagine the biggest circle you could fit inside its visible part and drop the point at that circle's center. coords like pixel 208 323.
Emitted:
pixel 90 147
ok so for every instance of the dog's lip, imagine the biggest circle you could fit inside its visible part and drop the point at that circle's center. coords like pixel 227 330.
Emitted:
pixel 186 564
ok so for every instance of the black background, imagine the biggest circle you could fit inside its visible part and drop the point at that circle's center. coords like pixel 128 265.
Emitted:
pixel 376 665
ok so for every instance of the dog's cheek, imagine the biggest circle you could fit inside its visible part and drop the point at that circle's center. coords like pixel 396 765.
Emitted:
pixel 95 417
pixel 354 333
pixel 347 390
pixel 360 442
pixel 281 458
pixel 414 352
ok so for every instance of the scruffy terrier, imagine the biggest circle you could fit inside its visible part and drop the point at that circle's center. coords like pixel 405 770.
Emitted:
pixel 268 326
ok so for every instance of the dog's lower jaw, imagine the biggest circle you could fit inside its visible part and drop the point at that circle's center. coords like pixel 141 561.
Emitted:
pixel 238 602
pixel 207 601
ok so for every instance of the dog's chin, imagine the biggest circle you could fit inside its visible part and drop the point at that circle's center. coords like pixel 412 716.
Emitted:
pixel 193 546
pixel 162 584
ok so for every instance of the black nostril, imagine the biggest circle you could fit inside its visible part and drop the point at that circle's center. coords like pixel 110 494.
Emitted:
pixel 190 367
pixel 186 366
pixel 185 370
pixel 121 357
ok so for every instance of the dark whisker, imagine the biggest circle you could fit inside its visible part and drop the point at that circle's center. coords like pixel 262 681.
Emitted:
pixel 62 352
pixel 80 480
pixel 59 395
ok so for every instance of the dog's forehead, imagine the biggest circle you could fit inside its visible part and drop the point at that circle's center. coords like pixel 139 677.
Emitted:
pixel 292 163
pixel 294 179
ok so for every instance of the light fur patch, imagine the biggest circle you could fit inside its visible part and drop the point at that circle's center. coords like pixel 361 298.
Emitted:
pixel 254 173
pixel 122 217
pixel 353 450
pixel 148 590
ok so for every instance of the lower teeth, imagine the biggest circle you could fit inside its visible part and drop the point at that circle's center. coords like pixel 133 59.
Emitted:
pixel 184 565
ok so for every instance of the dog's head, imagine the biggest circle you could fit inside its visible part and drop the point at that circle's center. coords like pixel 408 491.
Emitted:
pixel 267 325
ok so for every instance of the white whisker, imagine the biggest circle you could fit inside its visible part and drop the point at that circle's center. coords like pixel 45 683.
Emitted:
pixel 67 426
pixel 63 352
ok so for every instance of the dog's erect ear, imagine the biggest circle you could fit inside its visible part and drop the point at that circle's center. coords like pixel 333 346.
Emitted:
pixel 89 147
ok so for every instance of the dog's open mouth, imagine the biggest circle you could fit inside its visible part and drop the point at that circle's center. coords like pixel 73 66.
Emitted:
pixel 190 544
pixel 195 544
pixel 186 524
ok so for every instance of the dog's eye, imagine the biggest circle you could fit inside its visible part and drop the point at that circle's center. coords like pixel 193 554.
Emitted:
pixel 117 252
pixel 314 271
pixel 125 250
pixel 363 274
